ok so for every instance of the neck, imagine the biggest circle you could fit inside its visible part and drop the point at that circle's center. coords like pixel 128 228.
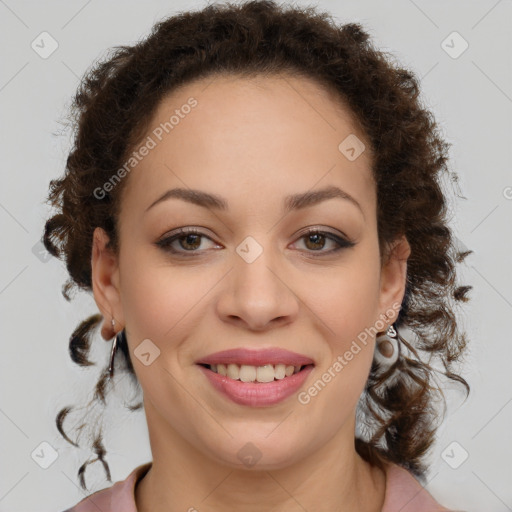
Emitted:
pixel 332 477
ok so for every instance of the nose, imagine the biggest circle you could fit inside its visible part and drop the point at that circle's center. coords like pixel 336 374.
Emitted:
pixel 258 295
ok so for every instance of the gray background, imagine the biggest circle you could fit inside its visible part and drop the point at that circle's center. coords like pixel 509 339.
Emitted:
pixel 471 97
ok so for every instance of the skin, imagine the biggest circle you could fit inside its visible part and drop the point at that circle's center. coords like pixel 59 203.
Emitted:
pixel 253 142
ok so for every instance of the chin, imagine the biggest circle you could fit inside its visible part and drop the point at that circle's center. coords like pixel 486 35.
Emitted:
pixel 256 453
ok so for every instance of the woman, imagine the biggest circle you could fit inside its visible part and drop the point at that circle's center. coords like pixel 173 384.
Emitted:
pixel 254 199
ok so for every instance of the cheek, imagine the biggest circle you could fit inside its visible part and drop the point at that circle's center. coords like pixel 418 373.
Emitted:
pixel 158 300
pixel 345 315
pixel 346 300
pixel 345 305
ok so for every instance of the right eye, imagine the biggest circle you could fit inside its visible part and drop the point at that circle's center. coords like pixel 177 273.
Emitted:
pixel 189 239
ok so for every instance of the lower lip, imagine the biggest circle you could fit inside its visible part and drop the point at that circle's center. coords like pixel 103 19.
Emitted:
pixel 257 394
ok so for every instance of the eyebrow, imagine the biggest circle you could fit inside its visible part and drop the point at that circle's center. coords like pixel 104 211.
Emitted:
pixel 291 202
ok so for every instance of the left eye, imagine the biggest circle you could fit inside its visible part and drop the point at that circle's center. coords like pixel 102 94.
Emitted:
pixel 316 240
pixel 191 237
pixel 190 241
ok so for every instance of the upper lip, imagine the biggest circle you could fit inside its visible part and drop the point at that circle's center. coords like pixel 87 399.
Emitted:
pixel 257 357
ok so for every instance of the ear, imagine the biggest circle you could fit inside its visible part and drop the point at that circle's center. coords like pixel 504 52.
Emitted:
pixel 393 277
pixel 105 284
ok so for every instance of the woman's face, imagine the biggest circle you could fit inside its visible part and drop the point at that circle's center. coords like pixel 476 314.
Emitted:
pixel 254 279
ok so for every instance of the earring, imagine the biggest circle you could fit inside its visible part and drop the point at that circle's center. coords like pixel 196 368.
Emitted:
pixel 387 348
pixel 113 350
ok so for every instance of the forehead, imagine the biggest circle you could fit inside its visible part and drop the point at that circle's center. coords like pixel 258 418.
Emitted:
pixel 242 136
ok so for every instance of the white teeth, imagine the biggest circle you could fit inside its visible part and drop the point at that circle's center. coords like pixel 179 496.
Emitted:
pixel 289 370
pixel 248 373
pixel 233 371
pixel 280 371
pixel 265 373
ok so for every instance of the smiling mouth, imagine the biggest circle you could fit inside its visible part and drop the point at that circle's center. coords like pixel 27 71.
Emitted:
pixel 255 374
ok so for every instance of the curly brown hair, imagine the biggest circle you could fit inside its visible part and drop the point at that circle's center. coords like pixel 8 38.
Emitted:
pixel 111 112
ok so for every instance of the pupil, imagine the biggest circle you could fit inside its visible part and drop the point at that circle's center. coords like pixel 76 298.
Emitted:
pixel 317 237
pixel 187 237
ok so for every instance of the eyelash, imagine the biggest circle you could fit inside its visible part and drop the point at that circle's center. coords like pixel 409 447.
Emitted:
pixel 165 243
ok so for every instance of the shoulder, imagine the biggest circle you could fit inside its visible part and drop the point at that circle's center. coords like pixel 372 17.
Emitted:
pixel 405 494
pixel 119 497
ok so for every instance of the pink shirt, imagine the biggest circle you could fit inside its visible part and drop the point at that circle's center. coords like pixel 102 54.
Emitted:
pixel 403 493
